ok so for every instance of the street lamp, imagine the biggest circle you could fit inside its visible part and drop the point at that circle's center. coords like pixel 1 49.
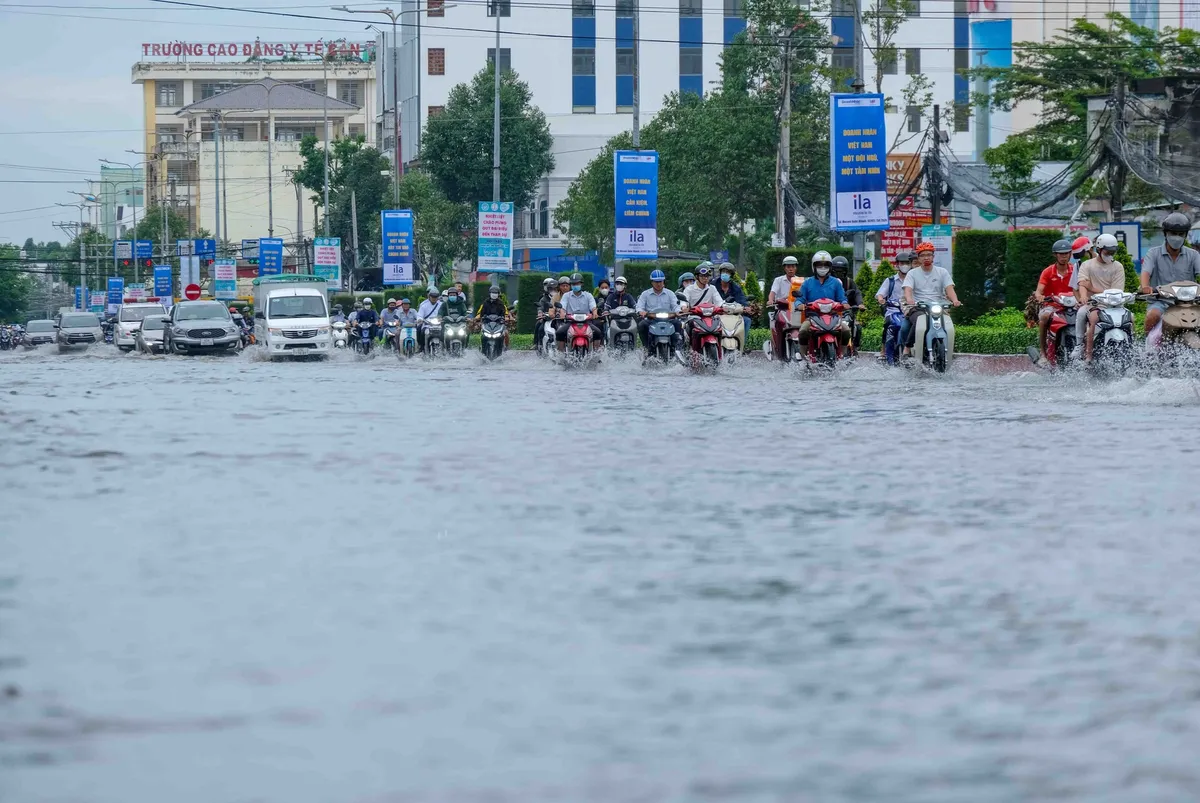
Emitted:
pixel 270 174
pixel 83 292
pixel 137 270
pixel 325 124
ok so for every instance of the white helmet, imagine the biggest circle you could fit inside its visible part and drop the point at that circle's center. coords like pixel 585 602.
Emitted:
pixel 822 256
pixel 790 261
pixel 1106 241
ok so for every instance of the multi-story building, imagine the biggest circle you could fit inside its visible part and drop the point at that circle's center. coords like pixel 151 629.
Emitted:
pixel 180 153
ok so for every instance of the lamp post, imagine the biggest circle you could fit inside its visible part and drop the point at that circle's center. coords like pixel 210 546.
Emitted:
pixel 137 269
pixel 83 289
pixel 325 123
pixel 270 172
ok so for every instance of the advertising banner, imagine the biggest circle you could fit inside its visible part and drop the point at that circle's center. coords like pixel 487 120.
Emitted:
pixel 495 237
pixel 224 285
pixel 858 198
pixel 79 298
pixel 635 177
pixel 96 301
pixel 136 292
pixel 270 256
pixel 327 260
pixel 162 283
pixel 116 292
pixel 397 227
pixel 942 237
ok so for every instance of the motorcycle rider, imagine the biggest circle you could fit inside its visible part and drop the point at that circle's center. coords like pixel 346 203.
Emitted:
pixel 1166 263
pixel 703 291
pixel 574 303
pixel 1054 281
pixel 842 272
pixel 368 317
pixel 822 284
pixel 656 299
pixel 686 280
pixel 454 302
pixel 601 295
pixel 1096 276
pixel 493 305
pixel 354 313
pixel 891 291
pixel 732 292
pixel 392 313
pixel 926 283
pixel 619 297
pixel 545 309
pixel 430 308
pixel 337 316
pixel 781 290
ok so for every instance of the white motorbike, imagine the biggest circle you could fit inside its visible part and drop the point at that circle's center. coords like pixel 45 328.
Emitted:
pixel 549 345
pixel 933 337
pixel 1112 342
pixel 733 331
pixel 341 339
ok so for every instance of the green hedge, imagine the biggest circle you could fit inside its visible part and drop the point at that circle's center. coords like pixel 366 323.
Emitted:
pixel 773 265
pixel 1027 254
pixel 529 291
pixel 638 273
pixel 979 256
pixel 479 293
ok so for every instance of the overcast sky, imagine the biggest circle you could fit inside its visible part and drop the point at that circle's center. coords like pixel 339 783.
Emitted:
pixel 67 96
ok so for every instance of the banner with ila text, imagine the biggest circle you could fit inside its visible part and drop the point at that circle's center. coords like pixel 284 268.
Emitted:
pixel 635 176
pixel 858 198
pixel 397 228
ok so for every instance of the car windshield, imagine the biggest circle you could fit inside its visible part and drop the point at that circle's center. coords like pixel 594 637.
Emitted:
pixel 297 307
pixel 80 322
pixel 152 324
pixel 204 310
pixel 131 314
pixel 40 326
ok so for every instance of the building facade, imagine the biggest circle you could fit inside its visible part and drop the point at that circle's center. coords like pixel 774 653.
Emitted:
pixel 180 152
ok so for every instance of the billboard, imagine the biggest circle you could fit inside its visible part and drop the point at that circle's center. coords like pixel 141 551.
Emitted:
pixel 635 179
pixel 495 237
pixel 858 199
pixel 397 228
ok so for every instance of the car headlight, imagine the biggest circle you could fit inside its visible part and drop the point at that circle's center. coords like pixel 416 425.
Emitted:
pixel 179 331
pixel 323 330
pixel 231 330
pixel 276 332
pixel 936 309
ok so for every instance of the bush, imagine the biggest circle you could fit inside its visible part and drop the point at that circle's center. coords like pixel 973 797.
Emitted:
pixel 753 294
pixel 979 258
pixel 529 291
pixel 1027 253
pixel 1005 318
pixel 773 264
pixel 638 273
pixel 1133 280
pixel 868 284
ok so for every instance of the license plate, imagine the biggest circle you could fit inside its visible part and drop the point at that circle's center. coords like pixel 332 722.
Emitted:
pixel 206 341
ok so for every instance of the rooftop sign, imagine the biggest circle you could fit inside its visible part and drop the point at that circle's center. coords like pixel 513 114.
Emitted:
pixel 255 49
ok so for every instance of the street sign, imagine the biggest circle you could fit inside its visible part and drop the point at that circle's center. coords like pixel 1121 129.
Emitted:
pixel 205 249
pixel 495 237
pixel 137 292
pixel 250 251
pixel 145 250
pixel 717 257
pixel 224 284
pixel 191 292
pixel 327 260
pixel 162 283
pixel 123 249
pixel 270 256
pixel 79 298
pixel 116 292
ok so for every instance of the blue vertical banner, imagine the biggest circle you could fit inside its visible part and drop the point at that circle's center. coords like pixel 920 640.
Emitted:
pixel 270 256
pixel 857 163
pixel 397 227
pixel 79 298
pixel 635 175
pixel 162 283
pixel 116 292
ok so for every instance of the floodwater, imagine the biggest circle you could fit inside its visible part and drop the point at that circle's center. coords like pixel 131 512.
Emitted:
pixel 361 581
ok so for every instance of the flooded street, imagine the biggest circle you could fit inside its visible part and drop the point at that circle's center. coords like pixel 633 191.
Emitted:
pixel 361 581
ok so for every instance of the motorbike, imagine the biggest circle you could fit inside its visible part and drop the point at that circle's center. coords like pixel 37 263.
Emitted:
pixel 733 330
pixel 1181 319
pixel 934 335
pixel 406 341
pixel 704 336
pixel 661 335
pixel 340 337
pixel 455 334
pixel 824 318
pixel 388 334
pixel 622 330
pixel 6 339
pixel 1060 335
pixel 548 346
pixel 1112 341
pixel 362 338
pixel 434 331
pixel 492 332
pixel 107 328
pixel 579 337
pixel 787 323
pixel 893 319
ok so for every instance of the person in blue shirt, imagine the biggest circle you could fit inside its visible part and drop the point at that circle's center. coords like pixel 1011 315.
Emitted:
pixel 657 299
pixel 368 317
pixel 732 292
pixel 823 285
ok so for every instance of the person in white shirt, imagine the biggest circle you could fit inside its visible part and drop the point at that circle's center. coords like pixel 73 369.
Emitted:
pixel 573 303
pixel 702 292
pixel 781 291
pixel 927 284
pixel 428 309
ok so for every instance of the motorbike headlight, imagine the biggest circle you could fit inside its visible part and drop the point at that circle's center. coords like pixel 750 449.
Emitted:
pixel 936 309
pixel 434 321
pixel 1185 293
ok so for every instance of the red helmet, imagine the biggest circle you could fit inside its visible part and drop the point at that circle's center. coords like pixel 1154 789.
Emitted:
pixel 233 309
pixel 926 247
pixel 1080 244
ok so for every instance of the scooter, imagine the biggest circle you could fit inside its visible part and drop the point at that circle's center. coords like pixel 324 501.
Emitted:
pixel 579 338
pixel 704 336
pixel 893 319
pixel 1060 335
pixel 934 336
pixel 1112 341
pixel 733 331
pixel 456 335
pixel 548 346
pixel 1181 319
pixel 824 318
pixel 340 337
pixel 362 338
pixel 787 323
pixel 406 341
pixel 6 339
pixel 390 330
pixel 622 330
pixel 661 334
pixel 492 333
pixel 434 329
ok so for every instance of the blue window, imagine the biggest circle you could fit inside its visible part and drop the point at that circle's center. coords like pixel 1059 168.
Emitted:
pixel 691 83
pixel 733 26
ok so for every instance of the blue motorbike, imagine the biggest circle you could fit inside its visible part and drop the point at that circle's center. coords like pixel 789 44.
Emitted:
pixel 893 319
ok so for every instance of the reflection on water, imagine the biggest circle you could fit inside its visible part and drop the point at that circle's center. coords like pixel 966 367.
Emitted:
pixel 363 580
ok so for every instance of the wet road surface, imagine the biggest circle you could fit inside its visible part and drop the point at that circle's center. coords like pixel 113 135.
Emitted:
pixel 229 580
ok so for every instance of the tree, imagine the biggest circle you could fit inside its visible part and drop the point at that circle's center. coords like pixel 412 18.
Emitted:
pixel 150 226
pixel 457 144
pixel 15 286
pixel 587 214
pixel 439 225
pixel 1011 165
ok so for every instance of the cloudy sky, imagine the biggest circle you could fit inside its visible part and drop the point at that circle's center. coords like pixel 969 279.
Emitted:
pixel 66 92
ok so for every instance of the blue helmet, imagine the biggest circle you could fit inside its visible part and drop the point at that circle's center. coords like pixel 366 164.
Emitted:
pixel 657 275
pixel 405 301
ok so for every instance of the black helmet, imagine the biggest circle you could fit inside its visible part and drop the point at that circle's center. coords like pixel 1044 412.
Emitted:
pixel 576 278
pixel 1061 247
pixel 841 263
pixel 1176 222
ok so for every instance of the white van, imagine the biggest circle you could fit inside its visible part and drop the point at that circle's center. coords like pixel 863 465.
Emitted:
pixel 291 316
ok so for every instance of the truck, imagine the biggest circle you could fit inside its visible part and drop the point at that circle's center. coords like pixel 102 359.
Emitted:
pixel 291 316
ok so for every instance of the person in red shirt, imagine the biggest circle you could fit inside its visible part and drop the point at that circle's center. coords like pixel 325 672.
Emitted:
pixel 1054 281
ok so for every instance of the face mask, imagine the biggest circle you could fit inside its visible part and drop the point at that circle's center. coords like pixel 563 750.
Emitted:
pixel 724 277
pixel 1106 257
pixel 603 291
pixel 575 288
pixel 494 297
pixel 1175 241
pixel 822 272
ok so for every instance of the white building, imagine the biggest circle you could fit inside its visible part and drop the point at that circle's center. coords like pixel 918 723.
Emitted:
pixel 180 152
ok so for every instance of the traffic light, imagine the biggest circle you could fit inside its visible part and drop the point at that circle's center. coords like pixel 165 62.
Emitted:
pixel 149 263
pixel 124 263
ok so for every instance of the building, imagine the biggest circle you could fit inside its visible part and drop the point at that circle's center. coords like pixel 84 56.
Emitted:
pixel 180 151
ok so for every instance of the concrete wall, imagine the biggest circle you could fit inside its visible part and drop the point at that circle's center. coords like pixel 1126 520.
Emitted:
pixel 244 176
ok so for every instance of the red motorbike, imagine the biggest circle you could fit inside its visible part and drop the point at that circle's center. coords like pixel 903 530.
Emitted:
pixel 579 336
pixel 704 330
pixel 825 320
pixel 786 328
pixel 1060 336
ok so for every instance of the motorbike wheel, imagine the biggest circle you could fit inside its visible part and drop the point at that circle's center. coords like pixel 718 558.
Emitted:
pixel 827 354
pixel 663 353
pixel 580 353
pixel 789 351
pixel 938 358
pixel 712 354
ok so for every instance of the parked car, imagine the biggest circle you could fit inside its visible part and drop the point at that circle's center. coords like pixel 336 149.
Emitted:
pixel 148 337
pixel 39 333
pixel 129 317
pixel 78 330
pixel 198 327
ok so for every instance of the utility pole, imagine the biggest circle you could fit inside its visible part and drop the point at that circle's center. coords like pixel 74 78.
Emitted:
pixel 1118 185
pixel 785 147
pixel 217 171
pixel 637 113
pixel 496 123
pixel 354 228
pixel 935 169
pixel 860 237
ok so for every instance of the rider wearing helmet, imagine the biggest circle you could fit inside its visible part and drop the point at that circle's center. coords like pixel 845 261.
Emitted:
pixel 1169 262
pixel 406 315
pixel 392 313
pixel 576 302
pixel 703 291
pixel 337 316
pixel 368 317
pixel 843 273
pixel 1097 275
pixel 822 284
pixel 732 292
pixel 430 308
pixel 601 293
pixel 925 283
pixel 564 287
pixel 492 305
pixel 891 291
pixel 686 280
pixel 656 299
pixel 780 295
pixel 354 313
pixel 1054 281
pixel 619 297
pixel 545 309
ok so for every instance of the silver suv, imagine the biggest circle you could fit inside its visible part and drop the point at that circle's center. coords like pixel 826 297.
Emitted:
pixel 200 327
pixel 78 330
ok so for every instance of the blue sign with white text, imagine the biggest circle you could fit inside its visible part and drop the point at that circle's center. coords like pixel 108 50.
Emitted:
pixel 857 163
pixel 270 256
pixel 205 249
pixel 145 250
pixel 79 298
pixel 397 227
pixel 162 283
pixel 116 292
pixel 635 177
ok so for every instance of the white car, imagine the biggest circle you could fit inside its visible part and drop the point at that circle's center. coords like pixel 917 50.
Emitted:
pixel 129 318
pixel 78 330
pixel 149 334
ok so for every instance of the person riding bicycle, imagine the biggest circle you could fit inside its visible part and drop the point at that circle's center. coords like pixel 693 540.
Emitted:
pixel 1055 280
pixel 576 302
